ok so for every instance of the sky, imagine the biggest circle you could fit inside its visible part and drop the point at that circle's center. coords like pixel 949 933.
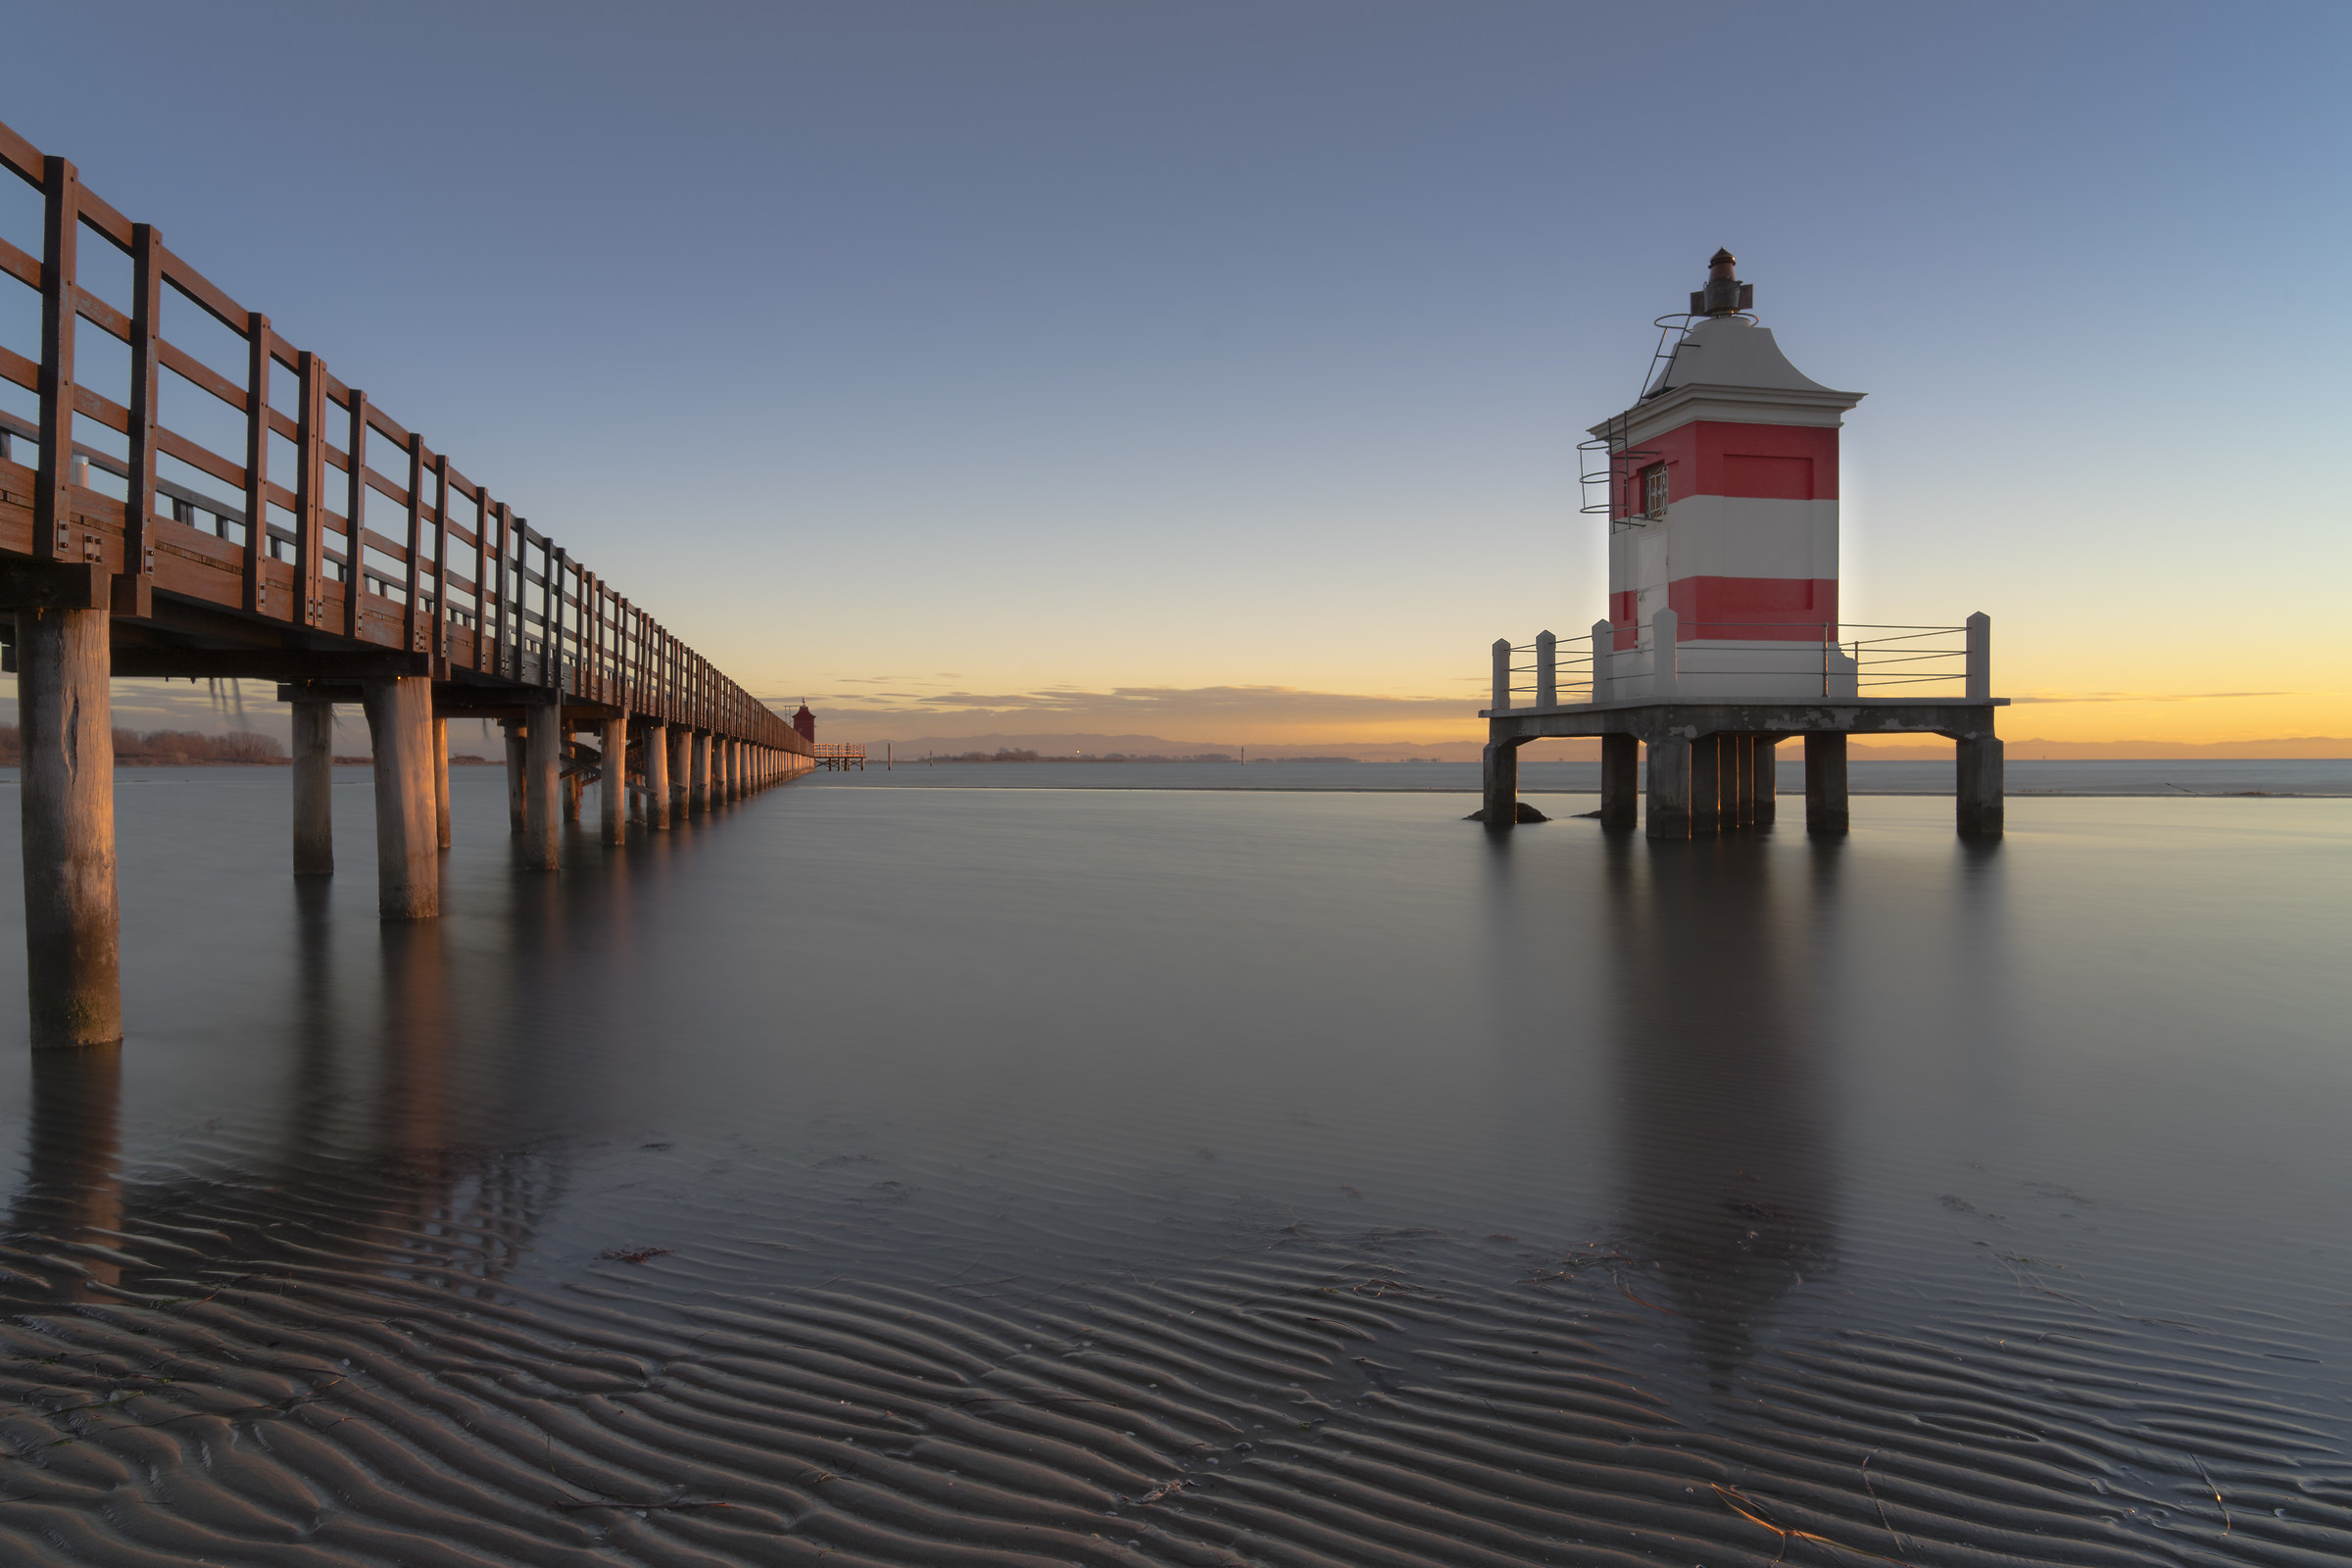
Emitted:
pixel 1214 372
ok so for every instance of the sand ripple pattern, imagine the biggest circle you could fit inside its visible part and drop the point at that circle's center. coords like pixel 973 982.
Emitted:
pixel 344 1371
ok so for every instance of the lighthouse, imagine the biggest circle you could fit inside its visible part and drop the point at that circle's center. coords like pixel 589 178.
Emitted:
pixel 1723 516
pixel 1719 486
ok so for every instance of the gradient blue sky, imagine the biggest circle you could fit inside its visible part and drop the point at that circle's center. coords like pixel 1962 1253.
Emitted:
pixel 902 354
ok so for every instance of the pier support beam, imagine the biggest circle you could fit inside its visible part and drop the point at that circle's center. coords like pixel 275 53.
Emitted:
pixel 73 925
pixel 681 769
pixel 1669 787
pixel 1825 784
pixel 1620 783
pixel 613 795
pixel 1706 786
pixel 698 786
pixel 313 788
pixel 516 772
pixel 1768 780
pixel 441 781
pixel 1501 776
pixel 408 848
pixel 542 785
pixel 573 786
pixel 657 778
pixel 1979 760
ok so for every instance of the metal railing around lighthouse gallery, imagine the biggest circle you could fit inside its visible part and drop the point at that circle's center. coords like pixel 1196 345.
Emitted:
pixel 1882 661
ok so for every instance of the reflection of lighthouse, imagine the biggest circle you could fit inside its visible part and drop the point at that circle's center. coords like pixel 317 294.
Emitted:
pixel 1722 1159
pixel 1724 510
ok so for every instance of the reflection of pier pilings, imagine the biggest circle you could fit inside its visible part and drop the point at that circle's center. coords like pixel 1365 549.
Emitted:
pixel 1723 1139
pixel 70 1204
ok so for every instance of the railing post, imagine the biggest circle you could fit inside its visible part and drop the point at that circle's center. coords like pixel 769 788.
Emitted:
pixel 134 589
pixel 1547 670
pixel 256 463
pixel 1979 657
pixel 354 513
pixel 53 479
pixel 310 480
pixel 412 621
pixel 1503 674
pixel 1605 648
pixel 1665 629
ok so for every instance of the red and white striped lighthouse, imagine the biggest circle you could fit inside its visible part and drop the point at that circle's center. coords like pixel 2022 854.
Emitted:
pixel 1723 519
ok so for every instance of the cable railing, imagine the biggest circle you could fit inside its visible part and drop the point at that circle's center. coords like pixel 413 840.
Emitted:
pixel 1734 660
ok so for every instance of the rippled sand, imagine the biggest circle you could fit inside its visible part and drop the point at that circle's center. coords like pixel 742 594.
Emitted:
pixel 922 1177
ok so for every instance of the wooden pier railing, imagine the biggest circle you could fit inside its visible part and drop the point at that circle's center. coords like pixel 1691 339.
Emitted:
pixel 331 548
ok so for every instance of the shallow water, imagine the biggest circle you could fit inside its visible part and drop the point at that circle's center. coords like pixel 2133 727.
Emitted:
pixel 973 1175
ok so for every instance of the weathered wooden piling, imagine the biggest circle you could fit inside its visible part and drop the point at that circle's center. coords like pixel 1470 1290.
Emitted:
pixel 1826 808
pixel 441 834
pixel 681 768
pixel 517 769
pixel 657 778
pixel 542 785
pixel 408 839
pixel 698 793
pixel 1620 783
pixel 313 788
pixel 1669 787
pixel 67 795
pixel 614 785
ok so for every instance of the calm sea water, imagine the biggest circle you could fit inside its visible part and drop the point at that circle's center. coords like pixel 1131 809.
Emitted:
pixel 918 1176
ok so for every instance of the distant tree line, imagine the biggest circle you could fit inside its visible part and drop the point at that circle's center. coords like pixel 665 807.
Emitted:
pixel 170 748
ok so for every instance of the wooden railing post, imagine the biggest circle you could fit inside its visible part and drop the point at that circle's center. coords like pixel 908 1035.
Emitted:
pixel 61 293
pixel 440 628
pixel 257 462
pixel 134 589
pixel 414 627
pixel 309 477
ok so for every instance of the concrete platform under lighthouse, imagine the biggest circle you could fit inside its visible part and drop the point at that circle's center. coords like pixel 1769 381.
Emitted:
pixel 1711 763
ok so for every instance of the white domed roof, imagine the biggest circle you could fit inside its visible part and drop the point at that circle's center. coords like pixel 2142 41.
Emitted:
pixel 1731 350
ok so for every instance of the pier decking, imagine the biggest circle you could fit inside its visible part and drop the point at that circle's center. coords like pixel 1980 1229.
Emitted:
pixel 338 553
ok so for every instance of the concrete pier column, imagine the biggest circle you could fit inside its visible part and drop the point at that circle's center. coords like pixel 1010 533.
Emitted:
pixel 512 728
pixel 441 780
pixel 1825 784
pixel 542 766
pixel 657 778
pixel 574 786
pixel 1501 775
pixel 734 770
pixel 1768 780
pixel 408 845
pixel 1739 777
pixel 73 925
pixel 615 793
pixel 313 788
pixel 1669 787
pixel 1620 783
pixel 1706 786
pixel 698 788
pixel 681 769
pixel 1979 763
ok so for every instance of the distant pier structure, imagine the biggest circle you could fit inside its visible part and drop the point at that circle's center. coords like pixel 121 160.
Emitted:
pixel 1719 488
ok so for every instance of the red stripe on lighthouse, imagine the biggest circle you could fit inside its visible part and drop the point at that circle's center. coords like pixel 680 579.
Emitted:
pixel 1762 462
pixel 1754 609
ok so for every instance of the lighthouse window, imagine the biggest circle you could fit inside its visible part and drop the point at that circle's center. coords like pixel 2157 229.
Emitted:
pixel 1653 491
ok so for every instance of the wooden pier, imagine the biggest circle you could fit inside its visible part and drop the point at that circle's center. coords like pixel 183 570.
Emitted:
pixel 367 569
pixel 836 757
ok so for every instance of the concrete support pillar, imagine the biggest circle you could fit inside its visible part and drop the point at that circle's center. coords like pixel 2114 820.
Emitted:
pixel 1768 780
pixel 734 770
pixel 1825 784
pixel 1620 783
pixel 1739 779
pixel 408 847
pixel 441 781
pixel 1978 759
pixel 1706 786
pixel 697 792
pixel 1669 787
pixel 542 766
pixel 313 788
pixel 614 795
pixel 73 925
pixel 574 786
pixel 517 770
pixel 681 769
pixel 1501 772
pixel 657 778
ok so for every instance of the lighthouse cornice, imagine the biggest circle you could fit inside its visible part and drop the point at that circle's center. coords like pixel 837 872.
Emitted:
pixel 1735 405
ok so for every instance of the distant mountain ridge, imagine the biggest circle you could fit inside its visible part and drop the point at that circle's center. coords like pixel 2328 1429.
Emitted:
pixel 1074 744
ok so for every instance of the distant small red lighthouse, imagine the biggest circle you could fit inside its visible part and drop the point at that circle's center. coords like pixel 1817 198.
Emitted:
pixel 805 722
